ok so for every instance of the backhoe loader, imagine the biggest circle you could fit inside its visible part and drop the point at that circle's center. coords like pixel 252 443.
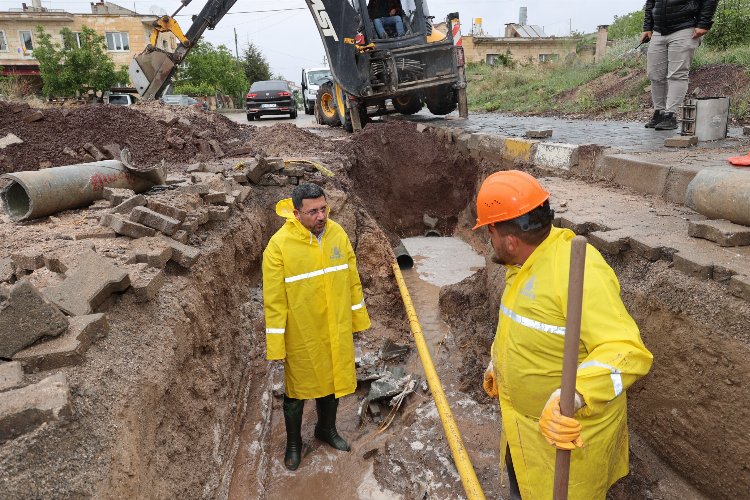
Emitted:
pixel 415 67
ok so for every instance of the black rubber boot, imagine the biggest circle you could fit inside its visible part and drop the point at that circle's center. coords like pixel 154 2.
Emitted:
pixel 325 429
pixel 668 122
pixel 655 119
pixel 293 421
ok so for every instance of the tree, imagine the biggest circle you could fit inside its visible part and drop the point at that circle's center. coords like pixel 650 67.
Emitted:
pixel 731 25
pixel 212 68
pixel 255 64
pixel 78 65
pixel 627 26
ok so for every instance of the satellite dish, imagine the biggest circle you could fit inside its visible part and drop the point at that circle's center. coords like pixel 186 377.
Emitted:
pixel 157 11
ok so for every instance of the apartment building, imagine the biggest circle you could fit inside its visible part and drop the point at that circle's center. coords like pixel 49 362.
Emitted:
pixel 126 33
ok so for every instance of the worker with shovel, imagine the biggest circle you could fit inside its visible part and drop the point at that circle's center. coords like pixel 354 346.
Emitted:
pixel 527 353
pixel 313 302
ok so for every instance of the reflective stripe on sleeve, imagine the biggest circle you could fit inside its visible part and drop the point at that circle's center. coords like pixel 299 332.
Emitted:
pixel 275 331
pixel 319 272
pixel 615 374
pixel 358 306
pixel 530 323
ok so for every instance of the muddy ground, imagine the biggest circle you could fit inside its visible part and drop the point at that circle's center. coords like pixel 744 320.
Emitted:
pixel 178 401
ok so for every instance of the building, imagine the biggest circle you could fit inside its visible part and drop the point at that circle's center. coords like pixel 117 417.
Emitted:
pixel 126 33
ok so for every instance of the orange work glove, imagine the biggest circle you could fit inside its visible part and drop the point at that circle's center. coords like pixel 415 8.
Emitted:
pixel 560 431
pixel 489 384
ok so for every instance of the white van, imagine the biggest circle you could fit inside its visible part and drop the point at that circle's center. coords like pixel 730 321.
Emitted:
pixel 311 79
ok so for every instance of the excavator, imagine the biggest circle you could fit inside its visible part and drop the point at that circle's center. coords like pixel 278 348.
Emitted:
pixel 413 66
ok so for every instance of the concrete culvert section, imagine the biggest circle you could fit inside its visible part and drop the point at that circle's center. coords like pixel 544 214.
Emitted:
pixel 174 399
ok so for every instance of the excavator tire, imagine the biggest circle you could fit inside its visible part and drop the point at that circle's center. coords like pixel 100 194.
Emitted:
pixel 441 100
pixel 325 104
pixel 407 104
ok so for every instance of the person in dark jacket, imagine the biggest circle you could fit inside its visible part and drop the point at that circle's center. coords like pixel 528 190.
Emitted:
pixel 675 28
pixel 386 13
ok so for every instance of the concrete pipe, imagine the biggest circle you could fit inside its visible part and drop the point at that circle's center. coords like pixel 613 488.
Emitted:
pixel 402 257
pixel 433 233
pixel 721 193
pixel 39 193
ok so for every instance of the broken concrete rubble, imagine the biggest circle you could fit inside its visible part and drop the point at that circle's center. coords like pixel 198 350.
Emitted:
pixel 168 210
pixel 115 196
pixel 25 317
pixel 182 254
pixel 723 232
pixel 88 285
pixel 11 375
pixel 125 206
pixel 155 220
pixel 126 227
pixel 68 349
pixel 145 281
pixel 24 409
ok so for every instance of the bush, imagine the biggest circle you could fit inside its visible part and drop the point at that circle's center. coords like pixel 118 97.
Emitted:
pixel 200 90
pixel 627 26
pixel 731 25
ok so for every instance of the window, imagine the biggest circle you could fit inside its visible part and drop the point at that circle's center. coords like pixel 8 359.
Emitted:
pixel 77 40
pixel 3 42
pixel 117 41
pixel 26 42
pixel 492 59
pixel 543 58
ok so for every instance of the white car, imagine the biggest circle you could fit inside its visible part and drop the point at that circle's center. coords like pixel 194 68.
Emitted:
pixel 311 79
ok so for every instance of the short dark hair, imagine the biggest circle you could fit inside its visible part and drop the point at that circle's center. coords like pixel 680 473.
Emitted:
pixel 531 228
pixel 305 191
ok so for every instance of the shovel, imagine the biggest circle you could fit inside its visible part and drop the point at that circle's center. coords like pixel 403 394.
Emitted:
pixel 570 357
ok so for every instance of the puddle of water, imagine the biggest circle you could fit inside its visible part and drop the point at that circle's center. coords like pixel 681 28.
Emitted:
pixel 443 261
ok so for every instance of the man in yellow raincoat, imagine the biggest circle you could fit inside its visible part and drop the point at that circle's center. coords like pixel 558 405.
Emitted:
pixel 526 363
pixel 313 303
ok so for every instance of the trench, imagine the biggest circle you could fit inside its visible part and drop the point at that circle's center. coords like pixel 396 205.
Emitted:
pixel 220 403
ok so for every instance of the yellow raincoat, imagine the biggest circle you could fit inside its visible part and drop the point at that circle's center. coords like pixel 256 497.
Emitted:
pixel 313 302
pixel 527 354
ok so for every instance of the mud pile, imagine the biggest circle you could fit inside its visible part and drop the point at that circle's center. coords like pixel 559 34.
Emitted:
pixel 59 136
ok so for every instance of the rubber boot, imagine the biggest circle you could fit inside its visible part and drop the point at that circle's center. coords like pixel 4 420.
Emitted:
pixel 656 118
pixel 325 429
pixel 293 421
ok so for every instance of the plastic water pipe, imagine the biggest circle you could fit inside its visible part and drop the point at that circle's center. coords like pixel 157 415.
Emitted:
pixel 460 457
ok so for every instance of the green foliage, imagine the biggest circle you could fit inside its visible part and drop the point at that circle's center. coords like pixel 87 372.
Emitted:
pixel 212 68
pixel 68 70
pixel 201 90
pixel 731 25
pixel 255 65
pixel 626 26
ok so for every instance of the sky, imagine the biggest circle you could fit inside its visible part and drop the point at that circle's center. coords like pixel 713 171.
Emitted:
pixel 286 34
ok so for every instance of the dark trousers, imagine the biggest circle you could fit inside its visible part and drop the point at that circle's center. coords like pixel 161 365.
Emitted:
pixel 515 493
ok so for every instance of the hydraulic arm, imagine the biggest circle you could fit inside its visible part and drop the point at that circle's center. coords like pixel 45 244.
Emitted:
pixel 151 70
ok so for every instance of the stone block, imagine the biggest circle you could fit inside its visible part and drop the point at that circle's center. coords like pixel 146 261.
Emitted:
pixel 88 285
pixel 214 197
pixel 204 177
pixel 218 213
pixel 28 259
pixel 168 210
pixel 182 254
pixel 646 247
pixel 113 151
pixel 242 151
pixel 176 179
pixel 745 130
pixel 155 220
pixel 25 317
pixel 7 271
pixel 194 220
pixel 195 167
pixel 94 152
pixel 239 177
pixel 633 172
pixel 293 171
pixel 175 142
pixel 241 194
pixel 203 147
pixel 518 150
pixel 24 409
pixel 129 228
pixel 216 147
pixel 556 155
pixel 34 116
pixel 681 141
pixel 198 189
pixel 739 286
pixel 59 261
pixel 723 232
pixel 145 282
pixel 125 206
pixel 9 140
pixel 608 242
pixel 257 169
pixel 184 123
pixel 11 375
pixel 168 120
pixel 429 221
pixel 421 127
pixel 693 264
pixel 151 251
pixel 68 349
pixel 292 181
pixel 181 236
pixel 116 195
pixel 539 134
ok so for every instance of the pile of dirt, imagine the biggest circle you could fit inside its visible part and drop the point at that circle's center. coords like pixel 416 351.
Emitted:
pixel 59 136
pixel 288 141
pixel 402 174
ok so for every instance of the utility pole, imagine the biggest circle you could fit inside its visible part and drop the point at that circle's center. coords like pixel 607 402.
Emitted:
pixel 236 47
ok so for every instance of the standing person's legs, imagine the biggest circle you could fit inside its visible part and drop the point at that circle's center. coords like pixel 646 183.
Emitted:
pixel 656 68
pixel 681 47
pixel 515 492
pixel 396 22
pixel 293 423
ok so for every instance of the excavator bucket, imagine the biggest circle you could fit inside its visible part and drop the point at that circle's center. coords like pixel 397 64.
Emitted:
pixel 150 71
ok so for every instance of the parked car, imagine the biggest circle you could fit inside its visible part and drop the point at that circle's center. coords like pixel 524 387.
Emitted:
pixel 270 97
pixel 121 99
pixel 184 100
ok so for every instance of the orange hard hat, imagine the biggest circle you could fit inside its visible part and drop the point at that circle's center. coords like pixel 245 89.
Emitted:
pixel 506 195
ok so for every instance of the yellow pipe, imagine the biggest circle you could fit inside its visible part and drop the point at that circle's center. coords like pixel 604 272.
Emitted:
pixel 460 457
